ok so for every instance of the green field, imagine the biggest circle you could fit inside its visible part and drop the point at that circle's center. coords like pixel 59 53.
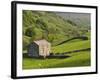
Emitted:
pixel 75 59
pixel 70 46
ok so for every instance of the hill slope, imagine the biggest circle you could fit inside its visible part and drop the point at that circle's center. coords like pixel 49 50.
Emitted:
pixel 47 25
pixel 82 20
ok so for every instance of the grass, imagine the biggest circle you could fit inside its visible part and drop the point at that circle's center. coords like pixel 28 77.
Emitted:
pixel 88 34
pixel 71 46
pixel 75 60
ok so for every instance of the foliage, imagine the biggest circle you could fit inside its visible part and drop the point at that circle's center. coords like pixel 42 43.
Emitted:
pixel 26 41
pixel 47 25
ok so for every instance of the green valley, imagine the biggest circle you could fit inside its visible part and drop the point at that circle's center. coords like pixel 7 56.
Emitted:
pixel 65 35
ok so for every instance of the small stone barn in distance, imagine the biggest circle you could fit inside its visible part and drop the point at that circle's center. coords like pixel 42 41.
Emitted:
pixel 39 48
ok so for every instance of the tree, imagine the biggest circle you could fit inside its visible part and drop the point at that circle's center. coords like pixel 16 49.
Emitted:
pixel 26 42
pixel 30 32
pixel 51 37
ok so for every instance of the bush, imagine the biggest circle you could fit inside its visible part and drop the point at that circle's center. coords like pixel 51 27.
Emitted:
pixel 26 42
pixel 30 32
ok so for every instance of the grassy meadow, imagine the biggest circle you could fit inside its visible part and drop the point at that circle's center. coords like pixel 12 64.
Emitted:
pixel 75 59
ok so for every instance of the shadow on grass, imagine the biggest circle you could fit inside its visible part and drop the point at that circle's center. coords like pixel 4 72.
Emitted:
pixel 52 56
pixel 57 55
pixel 87 49
pixel 81 37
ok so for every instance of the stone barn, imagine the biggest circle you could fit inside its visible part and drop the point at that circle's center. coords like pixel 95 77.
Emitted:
pixel 39 48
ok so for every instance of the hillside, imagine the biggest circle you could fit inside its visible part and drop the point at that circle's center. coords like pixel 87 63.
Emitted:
pixel 71 46
pixel 47 25
pixel 82 20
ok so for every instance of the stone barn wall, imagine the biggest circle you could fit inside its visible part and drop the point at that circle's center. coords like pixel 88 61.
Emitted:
pixel 33 50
